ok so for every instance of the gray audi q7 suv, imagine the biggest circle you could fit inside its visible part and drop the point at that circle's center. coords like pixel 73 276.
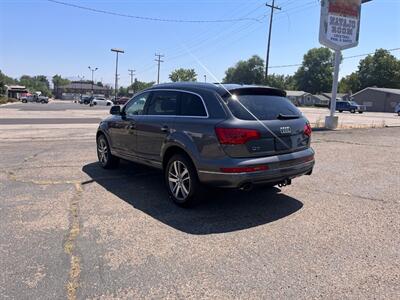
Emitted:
pixel 230 136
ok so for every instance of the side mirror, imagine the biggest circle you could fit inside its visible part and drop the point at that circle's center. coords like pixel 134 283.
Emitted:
pixel 115 110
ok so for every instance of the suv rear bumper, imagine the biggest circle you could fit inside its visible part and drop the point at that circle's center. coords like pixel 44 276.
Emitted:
pixel 280 168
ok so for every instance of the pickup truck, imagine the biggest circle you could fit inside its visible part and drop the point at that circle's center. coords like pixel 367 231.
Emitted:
pixel 350 106
pixel 35 98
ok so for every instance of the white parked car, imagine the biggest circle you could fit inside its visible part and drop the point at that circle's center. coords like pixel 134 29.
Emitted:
pixel 101 101
pixel 397 109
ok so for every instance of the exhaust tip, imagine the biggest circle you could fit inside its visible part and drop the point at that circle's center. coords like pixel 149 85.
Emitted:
pixel 246 187
pixel 285 183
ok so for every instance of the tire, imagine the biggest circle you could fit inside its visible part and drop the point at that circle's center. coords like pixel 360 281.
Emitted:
pixel 340 111
pixel 353 111
pixel 360 112
pixel 398 113
pixel 106 159
pixel 181 180
pixel 24 101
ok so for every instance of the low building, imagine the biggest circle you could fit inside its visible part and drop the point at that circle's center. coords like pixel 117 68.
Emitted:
pixel 300 98
pixel 378 99
pixel 77 88
pixel 16 91
pixel 339 96
pixel 324 99
pixel 321 100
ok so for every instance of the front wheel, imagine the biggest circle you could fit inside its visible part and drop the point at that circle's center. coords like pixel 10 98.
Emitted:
pixel 181 180
pixel 353 111
pixel 106 159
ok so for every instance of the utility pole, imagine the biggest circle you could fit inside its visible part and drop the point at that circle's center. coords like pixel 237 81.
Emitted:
pixel 117 51
pixel 93 70
pixel 81 78
pixel 273 7
pixel 131 73
pixel 159 61
pixel 205 78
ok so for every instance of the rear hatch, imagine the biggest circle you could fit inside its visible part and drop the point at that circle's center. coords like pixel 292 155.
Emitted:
pixel 267 124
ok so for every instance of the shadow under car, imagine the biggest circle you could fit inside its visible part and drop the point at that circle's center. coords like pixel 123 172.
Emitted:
pixel 219 210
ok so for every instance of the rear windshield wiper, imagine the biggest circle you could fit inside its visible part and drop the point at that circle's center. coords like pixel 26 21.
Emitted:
pixel 287 117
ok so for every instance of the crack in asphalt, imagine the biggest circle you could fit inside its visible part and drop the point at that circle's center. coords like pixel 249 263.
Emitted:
pixel 350 195
pixel 352 143
pixel 70 244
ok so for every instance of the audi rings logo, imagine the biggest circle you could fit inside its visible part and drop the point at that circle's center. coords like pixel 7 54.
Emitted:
pixel 286 130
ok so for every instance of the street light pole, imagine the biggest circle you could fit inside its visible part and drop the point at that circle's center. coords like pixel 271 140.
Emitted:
pixel 93 70
pixel 117 51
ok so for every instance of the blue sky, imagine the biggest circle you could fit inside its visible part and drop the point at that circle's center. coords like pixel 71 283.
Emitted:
pixel 40 37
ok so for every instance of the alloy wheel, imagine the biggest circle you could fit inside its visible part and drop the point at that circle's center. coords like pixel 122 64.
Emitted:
pixel 179 180
pixel 102 150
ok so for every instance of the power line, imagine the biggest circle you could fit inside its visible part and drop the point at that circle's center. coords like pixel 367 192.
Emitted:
pixel 144 18
pixel 347 57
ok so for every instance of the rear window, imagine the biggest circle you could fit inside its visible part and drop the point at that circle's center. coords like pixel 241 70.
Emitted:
pixel 264 107
pixel 192 105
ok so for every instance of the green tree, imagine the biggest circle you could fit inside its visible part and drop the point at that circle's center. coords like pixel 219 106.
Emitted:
pixel 281 82
pixel 315 74
pixel 59 81
pixel 138 86
pixel 350 83
pixel 249 71
pixel 99 83
pixel 122 91
pixel 381 69
pixel 183 75
pixel 5 80
pixel 36 83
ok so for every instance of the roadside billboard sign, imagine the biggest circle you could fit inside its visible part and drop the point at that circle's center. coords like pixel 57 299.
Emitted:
pixel 340 23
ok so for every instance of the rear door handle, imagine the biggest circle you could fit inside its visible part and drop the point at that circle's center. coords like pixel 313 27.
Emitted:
pixel 165 128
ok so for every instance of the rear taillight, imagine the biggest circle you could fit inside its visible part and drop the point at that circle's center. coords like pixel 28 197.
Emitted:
pixel 236 136
pixel 307 129
pixel 244 169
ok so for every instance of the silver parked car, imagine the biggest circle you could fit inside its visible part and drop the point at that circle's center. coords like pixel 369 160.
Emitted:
pixel 229 136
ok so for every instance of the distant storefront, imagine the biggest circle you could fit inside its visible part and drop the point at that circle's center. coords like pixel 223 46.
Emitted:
pixel 16 91
pixel 77 88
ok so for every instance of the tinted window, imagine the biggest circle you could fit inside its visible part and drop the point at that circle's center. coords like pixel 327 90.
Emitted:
pixel 163 103
pixel 261 106
pixel 135 105
pixel 192 105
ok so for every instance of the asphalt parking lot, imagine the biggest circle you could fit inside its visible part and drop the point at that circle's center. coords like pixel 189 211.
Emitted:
pixel 70 229
pixel 62 111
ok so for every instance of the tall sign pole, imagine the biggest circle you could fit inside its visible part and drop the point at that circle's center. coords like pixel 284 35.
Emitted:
pixel 339 30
